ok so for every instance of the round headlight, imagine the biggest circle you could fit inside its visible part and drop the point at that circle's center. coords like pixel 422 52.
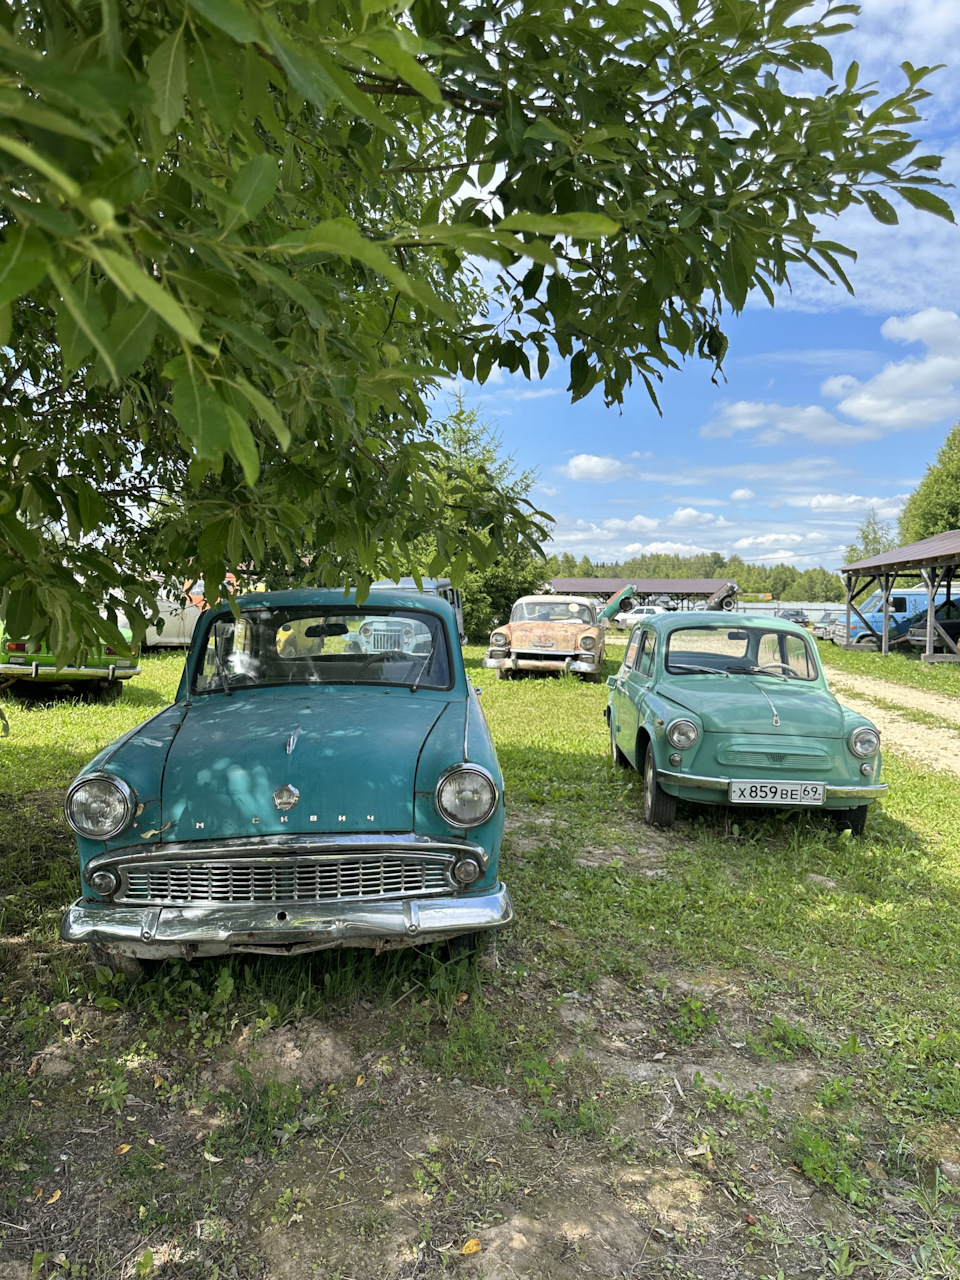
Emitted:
pixel 864 742
pixel 499 639
pixel 466 796
pixel 99 807
pixel 588 642
pixel 682 733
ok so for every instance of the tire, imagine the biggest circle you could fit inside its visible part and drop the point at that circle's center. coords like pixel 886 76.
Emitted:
pixel 116 962
pixel 659 809
pixel 465 945
pixel 852 820
pixel 503 673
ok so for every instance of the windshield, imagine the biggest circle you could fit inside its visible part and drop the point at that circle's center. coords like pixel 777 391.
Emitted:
pixel 324 646
pixel 552 611
pixel 740 651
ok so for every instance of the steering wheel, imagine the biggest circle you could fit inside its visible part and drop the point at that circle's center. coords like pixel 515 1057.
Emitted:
pixel 371 658
pixel 784 666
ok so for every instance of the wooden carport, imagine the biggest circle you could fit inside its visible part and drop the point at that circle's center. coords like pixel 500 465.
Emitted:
pixel 933 562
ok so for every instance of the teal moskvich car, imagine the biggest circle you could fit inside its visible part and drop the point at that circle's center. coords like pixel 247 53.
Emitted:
pixel 305 790
pixel 735 710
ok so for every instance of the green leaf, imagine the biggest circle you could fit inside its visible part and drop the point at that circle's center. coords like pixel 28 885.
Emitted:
pixel 201 414
pixel 265 409
pixel 579 226
pixel 23 262
pixel 231 17
pixel 167 76
pixel 42 164
pixel 318 79
pixel 387 47
pixel 923 198
pixel 243 446
pixel 343 237
pixel 131 334
pixel 881 209
pixel 254 188
pixel 81 318
pixel 125 273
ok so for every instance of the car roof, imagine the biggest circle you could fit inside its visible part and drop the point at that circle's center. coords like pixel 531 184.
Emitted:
pixel 556 599
pixel 663 622
pixel 429 584
pixel 326 597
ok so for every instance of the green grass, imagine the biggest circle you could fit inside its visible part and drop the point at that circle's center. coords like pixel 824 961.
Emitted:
pixel 854 986
pixel 898 667
pixel 51 740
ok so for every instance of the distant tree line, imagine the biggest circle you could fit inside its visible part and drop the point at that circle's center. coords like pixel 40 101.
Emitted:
pixel 781 581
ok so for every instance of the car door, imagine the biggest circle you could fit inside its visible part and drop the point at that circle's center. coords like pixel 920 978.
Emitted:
pixel 638 683
pixel 618 688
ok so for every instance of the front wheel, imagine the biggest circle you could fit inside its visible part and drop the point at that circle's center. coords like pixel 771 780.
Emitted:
pixel 117 962
pixel 852 820
pixel 105 691
pixel 659 808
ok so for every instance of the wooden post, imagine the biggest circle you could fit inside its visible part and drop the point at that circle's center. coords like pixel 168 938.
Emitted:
pixel 848 579
pixel 885 641
pixel 930 578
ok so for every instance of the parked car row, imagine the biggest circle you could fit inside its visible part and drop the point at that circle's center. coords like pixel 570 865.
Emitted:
pixel 325 776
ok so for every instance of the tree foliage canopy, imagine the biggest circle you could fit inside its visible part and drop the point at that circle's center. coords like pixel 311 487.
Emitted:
pixel 874 536
pixel 240 245
pixel 934 506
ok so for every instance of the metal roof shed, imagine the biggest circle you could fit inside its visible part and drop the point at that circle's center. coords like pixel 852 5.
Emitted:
pixel 934 561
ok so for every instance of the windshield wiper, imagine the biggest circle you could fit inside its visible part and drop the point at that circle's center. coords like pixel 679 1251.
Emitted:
pixel 423 666
pixel 221 671
pixel 706 671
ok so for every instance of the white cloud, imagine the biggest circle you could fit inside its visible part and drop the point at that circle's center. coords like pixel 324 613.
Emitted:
pixel 854 503
pixel 767 540
pixel 911 393
pixel 691 516
pixel 742 495
pixel 600 470
pixel 665 549
pixel 638 524
pixel 547 490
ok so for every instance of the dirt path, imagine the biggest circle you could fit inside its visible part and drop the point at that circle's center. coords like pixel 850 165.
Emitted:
pixel 935 746
pixel 937 704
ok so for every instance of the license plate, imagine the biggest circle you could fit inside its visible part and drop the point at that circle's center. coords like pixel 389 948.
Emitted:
pixel 776 792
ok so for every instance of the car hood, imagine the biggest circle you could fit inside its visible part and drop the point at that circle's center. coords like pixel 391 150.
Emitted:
pixel 352 755
pixel 738 705
pixel 551 635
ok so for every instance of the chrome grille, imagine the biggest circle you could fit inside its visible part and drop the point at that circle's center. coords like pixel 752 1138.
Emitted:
pixel 286 880
pixel 384 638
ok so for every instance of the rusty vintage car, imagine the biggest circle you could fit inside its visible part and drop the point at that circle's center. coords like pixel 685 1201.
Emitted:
pixel 548 633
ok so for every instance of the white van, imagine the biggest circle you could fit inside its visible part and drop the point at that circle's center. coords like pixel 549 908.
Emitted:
pixel 431 587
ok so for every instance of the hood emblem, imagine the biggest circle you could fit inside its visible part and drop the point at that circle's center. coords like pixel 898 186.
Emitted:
pixel 286 797
pixel 292 740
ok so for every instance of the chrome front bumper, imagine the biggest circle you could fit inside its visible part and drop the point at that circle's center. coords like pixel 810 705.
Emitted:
pixel 859 794
pixel 558 662
pixel 277 929
pixel 54 675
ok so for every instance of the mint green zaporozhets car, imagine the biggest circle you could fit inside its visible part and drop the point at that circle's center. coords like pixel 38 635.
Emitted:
pixel 324 778
pixel 736 710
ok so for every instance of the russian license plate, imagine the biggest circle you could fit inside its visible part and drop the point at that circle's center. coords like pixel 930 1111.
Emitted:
pixel 776 792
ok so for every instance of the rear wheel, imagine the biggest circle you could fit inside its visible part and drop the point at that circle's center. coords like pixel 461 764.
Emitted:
pixel 852 820
pixel 503 673
pixel 659 809
pixel 104 691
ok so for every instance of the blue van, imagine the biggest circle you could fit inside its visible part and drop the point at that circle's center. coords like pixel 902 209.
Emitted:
pixel 907 608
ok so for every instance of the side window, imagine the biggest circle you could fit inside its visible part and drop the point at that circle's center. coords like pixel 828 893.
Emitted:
pixel 647 654
pixel 898 604
pixel 631 653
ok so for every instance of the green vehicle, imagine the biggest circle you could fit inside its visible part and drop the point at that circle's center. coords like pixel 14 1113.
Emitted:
pixel 27 667
pixel 324 778
pixel 738 713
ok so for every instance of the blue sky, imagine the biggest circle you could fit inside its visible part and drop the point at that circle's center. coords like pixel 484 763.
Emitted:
pixel 831 405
